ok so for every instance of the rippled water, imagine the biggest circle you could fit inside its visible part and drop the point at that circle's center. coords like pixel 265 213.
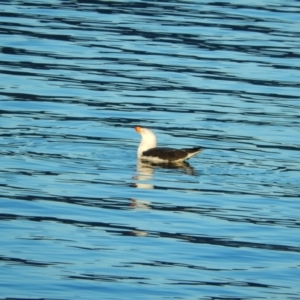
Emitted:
pixel 81 218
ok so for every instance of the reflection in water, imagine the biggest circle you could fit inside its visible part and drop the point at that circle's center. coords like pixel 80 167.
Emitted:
pixel 145 170
pixel 139 204
pixel 138 233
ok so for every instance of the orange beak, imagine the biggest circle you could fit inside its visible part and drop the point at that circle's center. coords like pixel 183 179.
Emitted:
pixel 138 129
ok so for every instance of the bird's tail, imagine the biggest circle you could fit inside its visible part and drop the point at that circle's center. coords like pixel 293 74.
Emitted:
pixel 193 150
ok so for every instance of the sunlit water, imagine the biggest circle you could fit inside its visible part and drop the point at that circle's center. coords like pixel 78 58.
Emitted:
pixel 81 218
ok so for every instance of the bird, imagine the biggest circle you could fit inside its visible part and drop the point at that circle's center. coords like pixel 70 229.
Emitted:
pixel 149 151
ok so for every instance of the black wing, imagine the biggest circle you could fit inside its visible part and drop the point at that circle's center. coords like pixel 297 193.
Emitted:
pixel 170 154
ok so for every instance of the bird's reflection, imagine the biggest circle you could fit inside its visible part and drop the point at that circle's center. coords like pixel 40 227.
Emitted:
pixel 146 168
pixel 139 204
pixel 145 171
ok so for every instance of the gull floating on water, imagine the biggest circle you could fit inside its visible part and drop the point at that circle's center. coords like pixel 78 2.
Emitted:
pixel 148 151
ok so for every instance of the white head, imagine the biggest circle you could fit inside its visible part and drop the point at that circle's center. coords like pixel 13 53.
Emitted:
pixel 148 140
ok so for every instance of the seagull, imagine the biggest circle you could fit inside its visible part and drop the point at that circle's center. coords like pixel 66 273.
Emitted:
pixel 147 149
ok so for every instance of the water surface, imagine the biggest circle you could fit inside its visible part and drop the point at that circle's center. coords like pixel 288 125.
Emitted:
pixel 81 218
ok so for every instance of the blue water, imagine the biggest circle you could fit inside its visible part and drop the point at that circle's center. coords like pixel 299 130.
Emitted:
pixel 81 218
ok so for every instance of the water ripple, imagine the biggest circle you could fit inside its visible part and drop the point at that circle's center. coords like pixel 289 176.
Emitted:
pixel 81 214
